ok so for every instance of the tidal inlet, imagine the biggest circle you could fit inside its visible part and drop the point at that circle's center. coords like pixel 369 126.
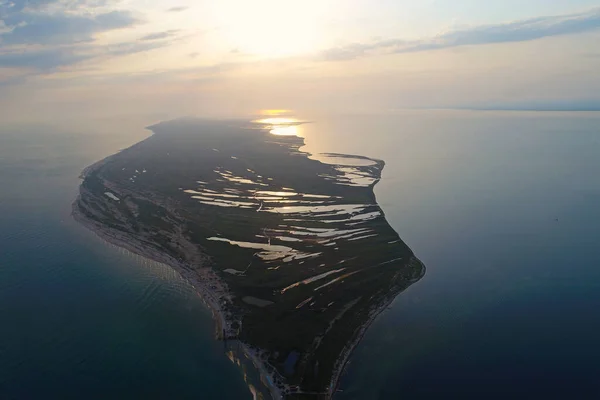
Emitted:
pixel 291 252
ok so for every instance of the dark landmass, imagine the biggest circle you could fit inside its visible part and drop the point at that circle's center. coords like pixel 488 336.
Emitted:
pixel 293 255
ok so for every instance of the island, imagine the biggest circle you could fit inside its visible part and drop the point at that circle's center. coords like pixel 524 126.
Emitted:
pixel 290 251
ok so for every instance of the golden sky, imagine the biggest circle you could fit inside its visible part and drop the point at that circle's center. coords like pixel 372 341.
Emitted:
pixel 232 57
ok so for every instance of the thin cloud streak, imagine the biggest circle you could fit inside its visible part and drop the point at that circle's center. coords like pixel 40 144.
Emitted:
pixel 159 35
pixel 41 60
pixel 177 9
pixel 518 31
pixel 47 60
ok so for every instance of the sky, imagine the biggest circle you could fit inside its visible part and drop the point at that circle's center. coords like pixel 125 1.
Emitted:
pixel 233 57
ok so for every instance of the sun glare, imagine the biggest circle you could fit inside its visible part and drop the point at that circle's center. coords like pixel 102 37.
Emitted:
pixel 278 121
pixel 273 113
pixel 269 28
pixel 281 126
pixel 288 130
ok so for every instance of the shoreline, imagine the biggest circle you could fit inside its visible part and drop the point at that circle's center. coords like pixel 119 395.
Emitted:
pixel 122 240
pixel 211 300
pixel 208 296
pixel 343 361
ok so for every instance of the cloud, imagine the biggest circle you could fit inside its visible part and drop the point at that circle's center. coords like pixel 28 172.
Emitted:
pixel 18 6
pixel 46 60
pixel 63 28
pixel 13 81
pixel 177 9
pixel 41 60
pixel 159 35
pixel 357 50
pixel 128 48
pixel 43 36
pixel 518 31
pixel 58 22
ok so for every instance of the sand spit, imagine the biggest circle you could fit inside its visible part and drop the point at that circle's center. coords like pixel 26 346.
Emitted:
pixel 211 289
pixel 215 294
pixel 198 211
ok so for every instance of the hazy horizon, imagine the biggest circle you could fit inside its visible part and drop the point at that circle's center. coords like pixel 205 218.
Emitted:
pixel 92 58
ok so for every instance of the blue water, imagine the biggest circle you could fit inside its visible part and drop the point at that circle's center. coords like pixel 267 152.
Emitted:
pixel 502 208
pixel 81 319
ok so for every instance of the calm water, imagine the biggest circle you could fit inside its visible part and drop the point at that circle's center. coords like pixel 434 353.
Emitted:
pixel 503 209
pixel 80 319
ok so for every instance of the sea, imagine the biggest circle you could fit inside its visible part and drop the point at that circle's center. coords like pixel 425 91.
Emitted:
pixel 503 208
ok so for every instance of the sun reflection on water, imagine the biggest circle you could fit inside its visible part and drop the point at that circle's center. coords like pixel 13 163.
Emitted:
pixel 285 130
pixel 279 123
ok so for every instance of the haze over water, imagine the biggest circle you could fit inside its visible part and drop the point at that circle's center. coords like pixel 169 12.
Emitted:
pixel 80 318
pixel 502 208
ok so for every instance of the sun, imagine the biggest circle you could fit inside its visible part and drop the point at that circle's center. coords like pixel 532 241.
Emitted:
pixel 269 28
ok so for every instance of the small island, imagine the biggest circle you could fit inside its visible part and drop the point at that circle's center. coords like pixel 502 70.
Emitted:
pixel 291 253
